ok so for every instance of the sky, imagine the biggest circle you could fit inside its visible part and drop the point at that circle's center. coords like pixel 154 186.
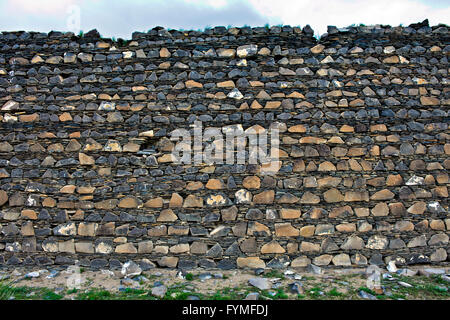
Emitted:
pixel 120 18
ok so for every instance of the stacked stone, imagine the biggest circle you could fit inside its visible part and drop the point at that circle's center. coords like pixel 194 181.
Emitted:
pixel 87 175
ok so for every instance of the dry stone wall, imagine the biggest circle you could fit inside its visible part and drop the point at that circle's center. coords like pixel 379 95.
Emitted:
pixel 87 177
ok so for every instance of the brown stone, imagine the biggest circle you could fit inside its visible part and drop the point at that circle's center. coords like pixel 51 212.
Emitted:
pixel 397 208
pixel 417 208
pixel 404 226
pixel 248 245
pixel 346 227
pixel 27 229
pixel 67 246
pixel 87 229
pixel 193 84
pixel 106 204
pixel 84 247
pixel 362 212
pixel 3 197
pixel 333 195
pixel 198 247
pixel 309 198
pixel 229 214
pixel 326 166
pixel 157 231
pixel 381 209
pixel 251 182
pixel 29 214
pixel 437 224
pixel 176 201
pixel 352 196
pixel 85 159
pixel 299 128
pixel 167 215
pixel 145 247
pixel 286 230
pixel 254 228
pixel 250 262
pixel 164 53
pixel 384 194
pixel 323 260
pixel 194 185
pixel 154 203
pixel 342 259
pixel 392 59
pixel 290 213
pixel 169 262
pixel 329 182
pixel 394 180
pixel 340 211
pixel 265 197
pixel 317 49
pixel 215 184
pixel 307 231
pixel 131 147
pixel 68 189
pixel 429 101
pixel 272 104
pixel 130 202
pixel 292 247
pixel 178 230
pixel 65 117
pixel 300 262
pixel 85 190
pixel 272 247
pixel 347 129
pixel 179 248
pixel 306 246
pixel 226 84
pixel 29 117
pixel 255 105
pixel 126 248
pixel 192 201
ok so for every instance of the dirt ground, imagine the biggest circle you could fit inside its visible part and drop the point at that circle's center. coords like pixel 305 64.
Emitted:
pixel 427 283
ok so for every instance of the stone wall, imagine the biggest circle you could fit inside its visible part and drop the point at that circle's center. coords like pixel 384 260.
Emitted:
pixel 86 171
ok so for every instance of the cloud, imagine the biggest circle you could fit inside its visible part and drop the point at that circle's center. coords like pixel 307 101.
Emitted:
pixel 40 7
pixel 212 3
pixel 120 18
pixel 320 13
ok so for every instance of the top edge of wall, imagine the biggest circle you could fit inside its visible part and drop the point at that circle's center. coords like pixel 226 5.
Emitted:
pixel 421 28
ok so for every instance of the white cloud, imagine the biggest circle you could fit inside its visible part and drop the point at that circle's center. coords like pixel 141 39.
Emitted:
pixel 341 13
pixel 120 18
pixel 217 4
pixel 40 7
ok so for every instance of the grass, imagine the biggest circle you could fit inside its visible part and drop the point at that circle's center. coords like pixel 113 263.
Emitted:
pixel 10 292
pixel 226 294
pixel 94 294
pixel 433 287
pixel 334 293
pixel 279 294
pixel 189 277
pixel 274 274
pixel 314 292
